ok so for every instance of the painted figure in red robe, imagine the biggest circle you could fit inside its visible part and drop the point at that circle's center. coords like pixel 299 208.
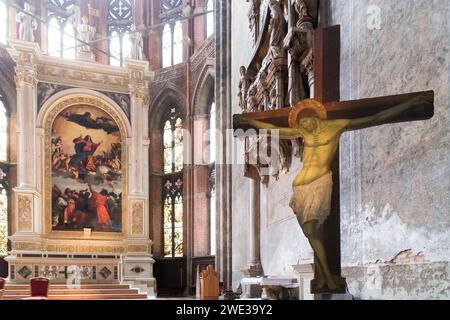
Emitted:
pixel 101 200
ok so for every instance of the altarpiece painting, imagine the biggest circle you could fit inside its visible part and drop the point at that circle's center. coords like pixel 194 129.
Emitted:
pixel 86 164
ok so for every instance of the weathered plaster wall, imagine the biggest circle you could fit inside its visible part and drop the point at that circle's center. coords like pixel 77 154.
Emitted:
pixel 241 186
pixel 395 180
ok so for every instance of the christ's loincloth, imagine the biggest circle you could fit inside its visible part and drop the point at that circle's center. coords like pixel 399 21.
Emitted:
pixel 313 201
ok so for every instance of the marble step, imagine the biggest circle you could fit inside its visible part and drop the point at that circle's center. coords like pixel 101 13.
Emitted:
pixel 53 291
pixel 82 292
pixel 86 297
pixel 64 286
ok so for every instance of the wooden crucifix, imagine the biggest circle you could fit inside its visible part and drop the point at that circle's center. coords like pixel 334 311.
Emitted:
pixel 328 116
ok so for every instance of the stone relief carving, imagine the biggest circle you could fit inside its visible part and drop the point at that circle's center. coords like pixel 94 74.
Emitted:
pixel 137 210
pixel 24 209
pixel 55 74
pixel 274 79
pixel 254 18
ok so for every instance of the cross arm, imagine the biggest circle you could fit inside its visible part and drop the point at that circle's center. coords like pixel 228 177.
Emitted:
pixel 356 109
pixel 247 121
pixel 390 114
pixel 423 110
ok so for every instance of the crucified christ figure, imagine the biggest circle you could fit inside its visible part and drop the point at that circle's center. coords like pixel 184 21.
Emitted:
pixel 311 201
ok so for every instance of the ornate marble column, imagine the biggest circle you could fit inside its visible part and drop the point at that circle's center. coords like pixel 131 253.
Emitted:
pixel 138 230
pixel 27 193
pixel 253 267
pixel 224 116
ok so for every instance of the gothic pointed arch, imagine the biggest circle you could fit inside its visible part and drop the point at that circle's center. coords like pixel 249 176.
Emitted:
pixel 169 95
pixel 204 91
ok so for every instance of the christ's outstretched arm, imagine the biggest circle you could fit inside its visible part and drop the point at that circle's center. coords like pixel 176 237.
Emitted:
pixel 271 129
pixel 385 116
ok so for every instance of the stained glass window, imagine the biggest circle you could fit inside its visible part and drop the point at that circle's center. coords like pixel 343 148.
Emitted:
pixel 120 19
pixel 172 131
pixel 172 44
pixel 4 183
pixel 177 43
pixel 3 22
pixel 173 216
pixel 169 5
pixel 167 46
pixel 172 32
pixel 209 18
pixel 61 18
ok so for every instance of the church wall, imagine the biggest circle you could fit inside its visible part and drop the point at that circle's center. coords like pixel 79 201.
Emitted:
pixel 395 185
pixel 240 185
pixel 394 179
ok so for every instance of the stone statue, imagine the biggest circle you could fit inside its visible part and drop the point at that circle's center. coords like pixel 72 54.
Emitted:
pixel 27 23
pixel 86 33
pixel 244 85
pixel 311 201
pixel 304 19
pixel 276 29
pixel 136 44
pixel 74 13
pixel 254 16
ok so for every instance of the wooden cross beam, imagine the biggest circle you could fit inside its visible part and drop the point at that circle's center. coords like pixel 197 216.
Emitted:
pixel 327 91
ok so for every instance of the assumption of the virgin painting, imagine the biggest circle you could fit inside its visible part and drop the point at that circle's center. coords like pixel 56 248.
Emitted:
pixel 86 171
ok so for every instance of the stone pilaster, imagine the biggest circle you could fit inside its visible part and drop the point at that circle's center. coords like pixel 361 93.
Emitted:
pixel 253 267
pixel 138 268
pixel 26 195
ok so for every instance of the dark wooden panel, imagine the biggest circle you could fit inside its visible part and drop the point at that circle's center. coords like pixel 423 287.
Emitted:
pixel 171 276
pixel 327 62
pixel 3 268
pixel 201 262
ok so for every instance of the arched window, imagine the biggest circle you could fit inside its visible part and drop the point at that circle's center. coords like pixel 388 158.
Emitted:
pixel 172 44
pixel 172 32
pixel 210 18
pixel 61 33
pixel 120 19
pixel 69 42
pixel 212 178
pixel 177 43
pixel 167 46
pixel 3 22
pixel 4 179
pixel 173 184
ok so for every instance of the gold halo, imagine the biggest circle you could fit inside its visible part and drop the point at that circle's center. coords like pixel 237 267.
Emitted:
pixel 307 104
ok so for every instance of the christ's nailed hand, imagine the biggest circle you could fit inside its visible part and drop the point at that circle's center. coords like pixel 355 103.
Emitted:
pixel 421 99
pixel 240 119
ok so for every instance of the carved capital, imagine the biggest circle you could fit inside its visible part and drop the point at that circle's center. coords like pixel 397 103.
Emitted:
pixel 25 76
pixel 140 92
